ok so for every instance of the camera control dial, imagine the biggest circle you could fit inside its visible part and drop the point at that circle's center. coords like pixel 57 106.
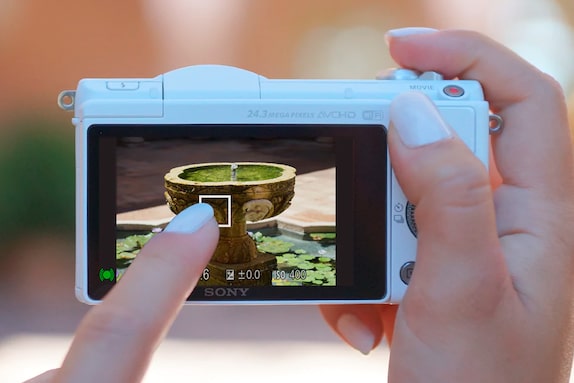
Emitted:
pixel 410 218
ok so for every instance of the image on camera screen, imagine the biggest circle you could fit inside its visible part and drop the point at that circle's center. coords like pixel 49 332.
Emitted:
pixel 273 198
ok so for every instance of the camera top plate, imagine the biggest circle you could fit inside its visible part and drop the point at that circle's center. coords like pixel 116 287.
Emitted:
pixel 145 97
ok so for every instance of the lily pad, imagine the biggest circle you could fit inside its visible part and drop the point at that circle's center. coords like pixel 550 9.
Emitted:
pixel 306 266
pixel 127 255
pixel 128 248
pixel 322 236
pixel 271 245
pixel 132 242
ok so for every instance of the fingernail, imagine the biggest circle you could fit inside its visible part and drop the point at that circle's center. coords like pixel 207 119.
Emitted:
pixel 191 219
pixel 356 333
pixel 402 32
pixel 417 120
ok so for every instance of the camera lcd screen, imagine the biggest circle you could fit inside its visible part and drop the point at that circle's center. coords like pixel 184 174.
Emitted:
pixel 301 208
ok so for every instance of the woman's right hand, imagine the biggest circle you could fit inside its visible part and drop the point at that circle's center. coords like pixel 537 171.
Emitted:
pixel 490 299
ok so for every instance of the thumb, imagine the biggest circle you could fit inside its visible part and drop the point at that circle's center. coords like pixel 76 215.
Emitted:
pixel 458 252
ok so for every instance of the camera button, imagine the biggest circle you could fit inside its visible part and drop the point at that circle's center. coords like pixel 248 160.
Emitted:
pixel 122 85
pixel 406 272
pixel 453 91
pixel 398 74
pixel 432 76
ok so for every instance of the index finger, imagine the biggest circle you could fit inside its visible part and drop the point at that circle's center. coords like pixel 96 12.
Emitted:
pixel 533 150
pixel 120 336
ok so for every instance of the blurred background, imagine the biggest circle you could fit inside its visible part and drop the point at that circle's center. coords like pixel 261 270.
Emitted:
pixel 47 46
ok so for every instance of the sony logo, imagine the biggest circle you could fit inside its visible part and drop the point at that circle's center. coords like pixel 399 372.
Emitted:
pixel 225 291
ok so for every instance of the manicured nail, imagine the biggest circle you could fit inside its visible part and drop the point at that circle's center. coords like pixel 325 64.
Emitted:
pixel 417 120
pixel 191 219
pixel 402 32
pixel 356 333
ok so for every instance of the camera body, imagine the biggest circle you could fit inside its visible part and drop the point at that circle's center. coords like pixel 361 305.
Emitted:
pixel 365 236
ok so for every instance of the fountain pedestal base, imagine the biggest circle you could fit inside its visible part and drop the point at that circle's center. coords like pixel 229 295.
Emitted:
pixel 258 272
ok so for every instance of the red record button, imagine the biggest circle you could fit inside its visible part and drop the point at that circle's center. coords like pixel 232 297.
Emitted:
pixel 453 90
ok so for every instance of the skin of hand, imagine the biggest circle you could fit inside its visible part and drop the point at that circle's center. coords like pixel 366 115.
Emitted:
pixel 123 332
pixel 490 299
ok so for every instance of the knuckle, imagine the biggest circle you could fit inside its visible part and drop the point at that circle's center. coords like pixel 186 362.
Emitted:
pixel 463 184
pixel 550 89
pixel 117 325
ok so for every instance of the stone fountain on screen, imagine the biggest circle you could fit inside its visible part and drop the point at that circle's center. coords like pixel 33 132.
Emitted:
pixel 238 192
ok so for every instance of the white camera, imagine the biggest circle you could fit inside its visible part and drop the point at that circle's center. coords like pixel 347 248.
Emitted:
pixel 297 172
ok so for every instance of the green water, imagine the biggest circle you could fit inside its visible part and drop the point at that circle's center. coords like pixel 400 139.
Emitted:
pixel 222 173
pixel 308 260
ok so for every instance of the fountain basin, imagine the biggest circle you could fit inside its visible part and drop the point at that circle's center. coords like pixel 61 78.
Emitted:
pixel 238 192
pixel 262 190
